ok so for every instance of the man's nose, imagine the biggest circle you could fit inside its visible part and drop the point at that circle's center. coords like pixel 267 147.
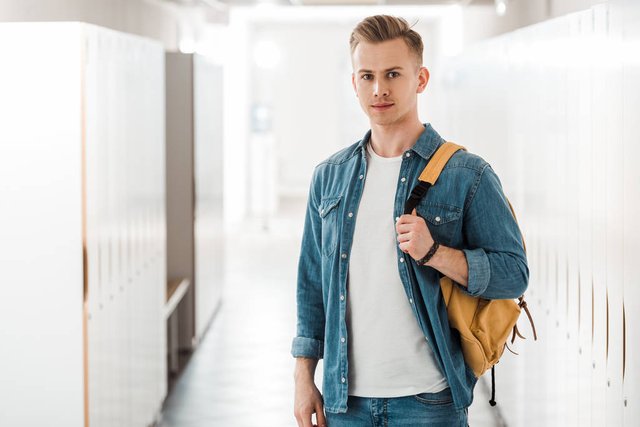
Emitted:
pixel 380 89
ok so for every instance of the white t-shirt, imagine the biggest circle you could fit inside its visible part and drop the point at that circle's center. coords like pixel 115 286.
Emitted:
pixel 388 354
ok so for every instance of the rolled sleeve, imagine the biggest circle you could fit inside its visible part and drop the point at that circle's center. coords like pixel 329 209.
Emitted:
pixel 309 339
pixel 307 347
pixel 479 271
pixel 495 251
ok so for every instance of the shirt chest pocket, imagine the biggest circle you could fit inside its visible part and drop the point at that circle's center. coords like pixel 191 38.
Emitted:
pixel 444 221
pixel 328 211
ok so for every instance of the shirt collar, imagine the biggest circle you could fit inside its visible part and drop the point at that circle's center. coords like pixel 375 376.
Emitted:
pixel 427 143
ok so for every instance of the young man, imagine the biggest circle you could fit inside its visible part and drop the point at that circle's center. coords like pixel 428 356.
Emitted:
pixel 369 299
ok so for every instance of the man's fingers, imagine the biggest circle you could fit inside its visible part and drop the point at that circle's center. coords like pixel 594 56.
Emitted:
pixel 404 247
pixel 320 416
pixel 303 417
pixel 404 228
pixel 407 219
pixel 306 420
pixel 404 237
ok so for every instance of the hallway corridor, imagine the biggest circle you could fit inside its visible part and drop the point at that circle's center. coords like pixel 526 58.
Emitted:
pixel 242 373
pixel 155 160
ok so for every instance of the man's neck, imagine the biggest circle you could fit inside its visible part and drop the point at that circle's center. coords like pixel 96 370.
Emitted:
pixel 393 140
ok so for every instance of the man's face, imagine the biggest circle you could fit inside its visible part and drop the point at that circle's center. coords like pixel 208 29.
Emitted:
pixel 387 78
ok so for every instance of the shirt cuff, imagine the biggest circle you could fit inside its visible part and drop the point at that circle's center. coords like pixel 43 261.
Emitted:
pixel 307 347
pixel 479 271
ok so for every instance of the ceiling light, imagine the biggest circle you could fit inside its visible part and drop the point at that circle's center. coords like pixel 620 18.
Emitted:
pixel 501 7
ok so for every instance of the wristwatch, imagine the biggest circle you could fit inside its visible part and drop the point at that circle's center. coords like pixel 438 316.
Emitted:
pixel 429 255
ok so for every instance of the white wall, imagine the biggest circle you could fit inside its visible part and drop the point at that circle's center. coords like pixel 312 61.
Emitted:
pixel 553 108
pixel 170 23
pixel 481 20
pixel 315 112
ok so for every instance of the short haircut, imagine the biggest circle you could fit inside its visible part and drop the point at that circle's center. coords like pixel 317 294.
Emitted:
pixel 380 28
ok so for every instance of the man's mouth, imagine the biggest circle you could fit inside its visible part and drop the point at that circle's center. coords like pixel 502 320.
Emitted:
pixel 380 106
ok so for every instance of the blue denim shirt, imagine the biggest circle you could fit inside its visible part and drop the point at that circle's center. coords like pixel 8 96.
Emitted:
pixel 466 209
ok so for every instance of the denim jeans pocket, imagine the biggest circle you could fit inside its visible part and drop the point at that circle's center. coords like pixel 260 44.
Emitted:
pixel 441 398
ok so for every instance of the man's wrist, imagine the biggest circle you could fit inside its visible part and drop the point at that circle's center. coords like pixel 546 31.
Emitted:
pixel 430 254
pixel 305 369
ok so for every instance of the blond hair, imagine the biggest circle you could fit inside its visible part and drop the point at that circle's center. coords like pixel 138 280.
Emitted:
pixel 380 28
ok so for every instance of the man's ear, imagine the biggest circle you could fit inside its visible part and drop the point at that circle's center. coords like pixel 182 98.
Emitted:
pixel 423 79
pixel 353 83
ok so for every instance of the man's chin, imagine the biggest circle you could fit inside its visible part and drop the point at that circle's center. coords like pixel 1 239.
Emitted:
pixel 382 121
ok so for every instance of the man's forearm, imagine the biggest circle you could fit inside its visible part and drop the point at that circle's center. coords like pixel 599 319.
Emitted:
pixel 305 369
pixel 452 263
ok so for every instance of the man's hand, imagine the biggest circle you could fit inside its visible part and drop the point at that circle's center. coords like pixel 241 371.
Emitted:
pixel 413 235
pixel 308 401
pixel 415 239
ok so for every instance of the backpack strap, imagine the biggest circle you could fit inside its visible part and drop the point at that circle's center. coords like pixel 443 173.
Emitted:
pixel 492 401
pixel 523 305
pixel 437 162
pixel 430 174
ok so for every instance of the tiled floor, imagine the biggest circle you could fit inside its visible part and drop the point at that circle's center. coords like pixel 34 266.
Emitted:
pixel 242 373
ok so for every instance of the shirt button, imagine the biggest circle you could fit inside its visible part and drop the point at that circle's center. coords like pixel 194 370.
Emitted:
pixel 401 259
pixel 343 380
pixel 322 212
pixel 342 339
pixel 350 214
pixel 344 256
pixel 408 154
pixel 411 300
pixel 341 297
pixel 397 218
pixel 437 219
pixel 403 179
pixel 361 176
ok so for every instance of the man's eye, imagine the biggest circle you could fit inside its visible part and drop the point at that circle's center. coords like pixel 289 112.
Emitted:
pixel 393 74
pixel 366 77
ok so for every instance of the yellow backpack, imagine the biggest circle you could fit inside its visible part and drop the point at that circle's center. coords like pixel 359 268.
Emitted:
pixel 484 324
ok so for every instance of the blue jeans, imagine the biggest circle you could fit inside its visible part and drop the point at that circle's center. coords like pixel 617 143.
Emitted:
pixel 424 409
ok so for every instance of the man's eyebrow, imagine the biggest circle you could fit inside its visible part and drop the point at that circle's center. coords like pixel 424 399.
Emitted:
pixel 386 71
